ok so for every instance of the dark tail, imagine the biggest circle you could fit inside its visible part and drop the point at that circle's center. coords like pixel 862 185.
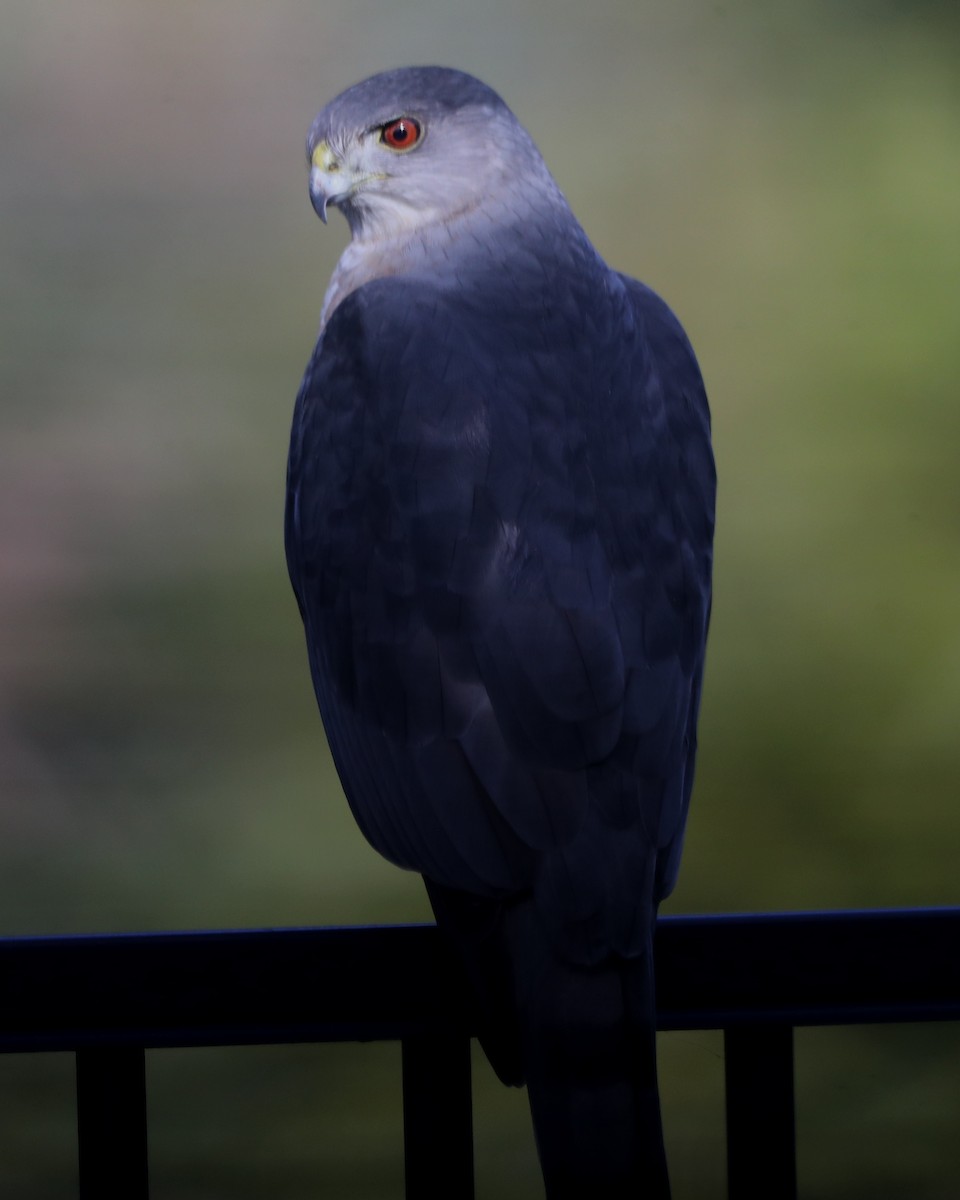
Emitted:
pixel 583 1039
pixel 589 1048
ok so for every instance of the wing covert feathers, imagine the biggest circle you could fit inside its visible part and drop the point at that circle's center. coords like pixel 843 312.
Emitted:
pixel 499 530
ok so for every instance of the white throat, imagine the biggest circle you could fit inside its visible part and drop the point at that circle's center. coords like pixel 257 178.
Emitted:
pixel 407 241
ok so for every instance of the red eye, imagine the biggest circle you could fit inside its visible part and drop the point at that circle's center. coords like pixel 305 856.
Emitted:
pixel 401 134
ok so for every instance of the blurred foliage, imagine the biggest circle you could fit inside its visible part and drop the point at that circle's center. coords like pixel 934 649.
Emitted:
pixel 789 178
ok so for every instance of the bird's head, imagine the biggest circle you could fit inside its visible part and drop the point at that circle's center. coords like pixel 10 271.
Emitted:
pixel 413 147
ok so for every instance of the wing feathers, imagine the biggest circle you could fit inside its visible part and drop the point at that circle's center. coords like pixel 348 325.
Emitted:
pixel 503 562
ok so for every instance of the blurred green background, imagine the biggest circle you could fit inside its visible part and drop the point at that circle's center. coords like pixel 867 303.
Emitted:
pixel 788 176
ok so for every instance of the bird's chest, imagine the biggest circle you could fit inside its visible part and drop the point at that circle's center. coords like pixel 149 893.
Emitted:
pixel 359 264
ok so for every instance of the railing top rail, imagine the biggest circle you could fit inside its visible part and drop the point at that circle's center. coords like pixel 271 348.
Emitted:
pixel 232 987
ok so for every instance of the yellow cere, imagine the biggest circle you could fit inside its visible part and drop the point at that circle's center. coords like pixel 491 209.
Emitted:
pixel 323 158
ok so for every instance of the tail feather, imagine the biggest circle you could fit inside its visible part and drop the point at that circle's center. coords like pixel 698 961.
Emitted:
pixel 582 1038
pixel 589 1057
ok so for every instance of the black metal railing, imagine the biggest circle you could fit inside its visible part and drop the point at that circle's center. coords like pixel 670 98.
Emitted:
pixel 757 977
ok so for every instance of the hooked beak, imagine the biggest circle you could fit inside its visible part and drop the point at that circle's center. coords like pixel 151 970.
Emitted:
pixel 328 181
pixel 319 197
pixel 325 175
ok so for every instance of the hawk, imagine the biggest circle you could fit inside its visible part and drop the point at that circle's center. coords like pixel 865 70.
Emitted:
pixel 499 530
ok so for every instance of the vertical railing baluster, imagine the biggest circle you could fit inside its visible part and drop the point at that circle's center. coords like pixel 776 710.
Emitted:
pixel 112 1123
pixel 437 1118
pixel 761 1132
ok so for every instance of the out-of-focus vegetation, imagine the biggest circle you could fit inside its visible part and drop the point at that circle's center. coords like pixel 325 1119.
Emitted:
pixel 789 178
